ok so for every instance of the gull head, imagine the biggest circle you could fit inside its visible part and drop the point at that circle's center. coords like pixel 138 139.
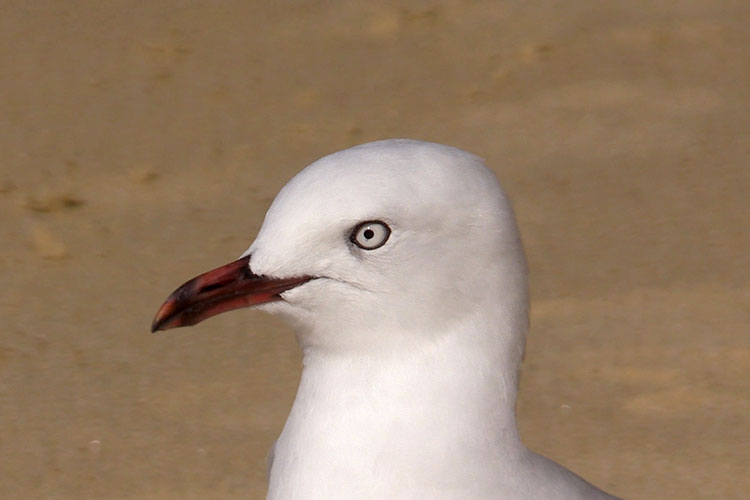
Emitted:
pixel 386 244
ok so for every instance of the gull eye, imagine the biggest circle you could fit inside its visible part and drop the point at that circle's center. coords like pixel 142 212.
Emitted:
pixel 371 234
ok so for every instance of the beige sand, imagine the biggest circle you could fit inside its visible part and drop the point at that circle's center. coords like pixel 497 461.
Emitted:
pixel 140 144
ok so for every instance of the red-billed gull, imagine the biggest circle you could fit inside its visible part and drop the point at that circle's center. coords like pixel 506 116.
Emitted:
pixel 401 268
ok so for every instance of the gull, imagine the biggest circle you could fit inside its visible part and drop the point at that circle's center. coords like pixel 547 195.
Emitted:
pixel 400 267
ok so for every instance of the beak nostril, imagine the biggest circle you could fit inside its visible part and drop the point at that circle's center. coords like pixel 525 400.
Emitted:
pixel 212 286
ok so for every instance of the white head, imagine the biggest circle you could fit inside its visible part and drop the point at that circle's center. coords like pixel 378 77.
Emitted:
pixel 453 248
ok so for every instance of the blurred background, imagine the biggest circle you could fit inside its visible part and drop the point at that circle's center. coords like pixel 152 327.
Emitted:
pixel 142 142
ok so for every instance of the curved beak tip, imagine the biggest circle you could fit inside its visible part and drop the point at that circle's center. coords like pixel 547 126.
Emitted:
pixel 156 325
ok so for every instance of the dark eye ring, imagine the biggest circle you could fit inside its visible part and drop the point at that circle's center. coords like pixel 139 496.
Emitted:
pixel 370 234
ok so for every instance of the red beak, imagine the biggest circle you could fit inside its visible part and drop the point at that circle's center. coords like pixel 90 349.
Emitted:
pixel 223 289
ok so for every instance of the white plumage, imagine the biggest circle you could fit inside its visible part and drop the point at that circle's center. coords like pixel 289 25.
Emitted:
pixel 400 266
pixel 411 350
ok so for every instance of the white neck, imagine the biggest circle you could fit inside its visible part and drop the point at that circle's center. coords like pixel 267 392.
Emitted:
pixel 407 422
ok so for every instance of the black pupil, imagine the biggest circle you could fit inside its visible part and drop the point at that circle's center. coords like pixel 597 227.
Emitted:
pixel 368 234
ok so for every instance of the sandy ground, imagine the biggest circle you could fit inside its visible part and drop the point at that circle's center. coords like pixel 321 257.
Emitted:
pixel 140 144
